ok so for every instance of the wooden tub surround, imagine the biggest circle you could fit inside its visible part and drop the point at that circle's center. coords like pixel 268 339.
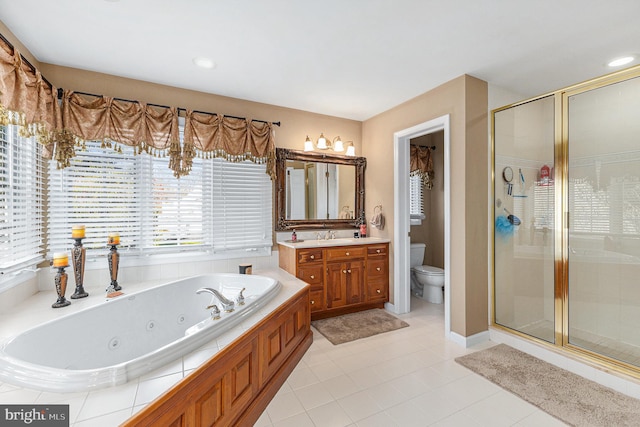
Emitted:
pixel 344 278
pixel 235 386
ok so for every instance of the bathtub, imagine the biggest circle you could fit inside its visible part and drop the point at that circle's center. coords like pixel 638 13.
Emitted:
pixel 128 336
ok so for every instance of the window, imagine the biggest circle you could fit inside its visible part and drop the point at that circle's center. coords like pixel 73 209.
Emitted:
pixel 416 208
pixel 241 205
pixel 589 208
pixel 219 206
pixel 21 176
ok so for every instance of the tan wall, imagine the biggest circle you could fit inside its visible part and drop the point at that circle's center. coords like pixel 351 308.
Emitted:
pixel 465 99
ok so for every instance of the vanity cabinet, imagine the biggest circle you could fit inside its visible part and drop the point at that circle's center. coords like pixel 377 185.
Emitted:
pixel 342 279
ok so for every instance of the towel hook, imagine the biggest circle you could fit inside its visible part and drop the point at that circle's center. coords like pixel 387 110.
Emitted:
pixel 377 209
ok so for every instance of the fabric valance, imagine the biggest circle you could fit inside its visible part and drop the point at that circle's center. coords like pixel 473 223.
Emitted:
pixel 235 139
pixel 27 100
pixel 421 164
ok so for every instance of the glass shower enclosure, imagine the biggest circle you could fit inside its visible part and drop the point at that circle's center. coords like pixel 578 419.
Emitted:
pixel 567 219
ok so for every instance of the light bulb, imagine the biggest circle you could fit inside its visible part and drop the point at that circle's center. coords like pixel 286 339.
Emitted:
pixel 322 142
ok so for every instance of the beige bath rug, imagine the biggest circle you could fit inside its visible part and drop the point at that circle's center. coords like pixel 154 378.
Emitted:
pixel 567 396
pixel 353 326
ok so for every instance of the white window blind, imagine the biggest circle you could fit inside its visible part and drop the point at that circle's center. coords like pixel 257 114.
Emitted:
pixel 242 194
pixel 21 177
pixel 220 205
pixel 102 190
pixel 172 209
pixel 416 198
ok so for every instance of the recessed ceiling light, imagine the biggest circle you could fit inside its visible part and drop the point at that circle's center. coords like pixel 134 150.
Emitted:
pixel 203 62
pixel 621 61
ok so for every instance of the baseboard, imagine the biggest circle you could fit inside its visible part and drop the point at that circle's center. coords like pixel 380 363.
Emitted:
pixel 390 307
pixel 469 341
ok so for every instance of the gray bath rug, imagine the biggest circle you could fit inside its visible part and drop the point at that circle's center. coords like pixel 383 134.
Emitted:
pixel 353 326
pixel 567 396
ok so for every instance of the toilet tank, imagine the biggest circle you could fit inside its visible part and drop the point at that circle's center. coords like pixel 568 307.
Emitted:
pixel 416 254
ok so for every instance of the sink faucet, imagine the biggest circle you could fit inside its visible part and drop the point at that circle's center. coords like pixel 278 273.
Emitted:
pixel 227 305
pixel 332 234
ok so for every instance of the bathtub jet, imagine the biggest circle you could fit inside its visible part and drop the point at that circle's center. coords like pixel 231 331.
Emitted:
pixel 122 339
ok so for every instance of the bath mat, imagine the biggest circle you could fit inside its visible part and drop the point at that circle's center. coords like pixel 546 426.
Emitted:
pixel 354 326
pixel 569 397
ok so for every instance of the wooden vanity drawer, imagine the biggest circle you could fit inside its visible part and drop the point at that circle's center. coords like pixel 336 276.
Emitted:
pixel 377 268
pixel 377 290
pixel 309 255
pixel 346 253
pixel 316 300
pixel 375 250
pixel 313 274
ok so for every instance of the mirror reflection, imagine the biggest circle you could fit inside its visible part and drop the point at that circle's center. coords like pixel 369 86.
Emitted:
pixel 317 190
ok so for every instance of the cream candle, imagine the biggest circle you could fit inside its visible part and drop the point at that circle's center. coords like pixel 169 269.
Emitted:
pixel 114 239
pixel 77 232
pixel 60 259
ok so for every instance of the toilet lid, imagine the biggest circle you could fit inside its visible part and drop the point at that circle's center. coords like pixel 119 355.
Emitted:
pixel 429 270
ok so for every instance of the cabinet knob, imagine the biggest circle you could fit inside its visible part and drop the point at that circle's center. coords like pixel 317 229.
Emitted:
pixel 349 271
pixel 347 254
pixel 377 268
pixel 377 290
pixel 378 250
pixel 313 277
pixel 312 257
pixel 344 271
pixel 313 302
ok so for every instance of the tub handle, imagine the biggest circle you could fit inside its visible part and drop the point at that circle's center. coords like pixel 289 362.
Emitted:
pixel 240 299
pixel 215 312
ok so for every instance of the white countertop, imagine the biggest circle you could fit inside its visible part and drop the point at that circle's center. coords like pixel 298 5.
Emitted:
pixel 315 243
pixel 113 405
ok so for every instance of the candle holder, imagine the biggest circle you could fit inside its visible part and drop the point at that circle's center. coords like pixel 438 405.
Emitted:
pixel 61 287
pixel 78 256
pixel 114 262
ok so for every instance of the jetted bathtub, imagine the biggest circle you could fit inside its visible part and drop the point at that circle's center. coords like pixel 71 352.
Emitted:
pixel 128 336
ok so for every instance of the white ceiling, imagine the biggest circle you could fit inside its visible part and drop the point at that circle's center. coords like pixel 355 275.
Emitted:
pixel 346 58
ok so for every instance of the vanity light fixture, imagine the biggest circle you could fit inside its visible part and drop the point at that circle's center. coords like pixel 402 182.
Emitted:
pixel 324 144
pixel 618 62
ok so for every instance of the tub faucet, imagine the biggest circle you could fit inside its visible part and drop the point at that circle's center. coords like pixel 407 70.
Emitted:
pixel 240 299
pixel 215 312
pixel 227 305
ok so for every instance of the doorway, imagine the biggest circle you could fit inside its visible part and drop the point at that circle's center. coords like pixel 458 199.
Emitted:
pixel 401 223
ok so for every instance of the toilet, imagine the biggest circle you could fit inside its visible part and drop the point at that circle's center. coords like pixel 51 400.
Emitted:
pixel 426 281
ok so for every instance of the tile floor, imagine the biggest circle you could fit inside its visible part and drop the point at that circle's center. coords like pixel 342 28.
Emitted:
pixel 403 378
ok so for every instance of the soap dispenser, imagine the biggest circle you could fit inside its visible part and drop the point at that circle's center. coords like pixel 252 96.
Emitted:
pixel 294 236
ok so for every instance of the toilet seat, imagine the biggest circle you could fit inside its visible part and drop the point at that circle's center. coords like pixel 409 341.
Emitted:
pixel 428 270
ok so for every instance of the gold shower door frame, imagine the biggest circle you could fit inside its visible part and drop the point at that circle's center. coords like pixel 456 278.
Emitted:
pixel 561 222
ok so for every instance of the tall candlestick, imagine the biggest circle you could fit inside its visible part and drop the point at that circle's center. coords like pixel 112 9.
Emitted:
pixel 114 261
pixel 61 287
pixel 78 256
